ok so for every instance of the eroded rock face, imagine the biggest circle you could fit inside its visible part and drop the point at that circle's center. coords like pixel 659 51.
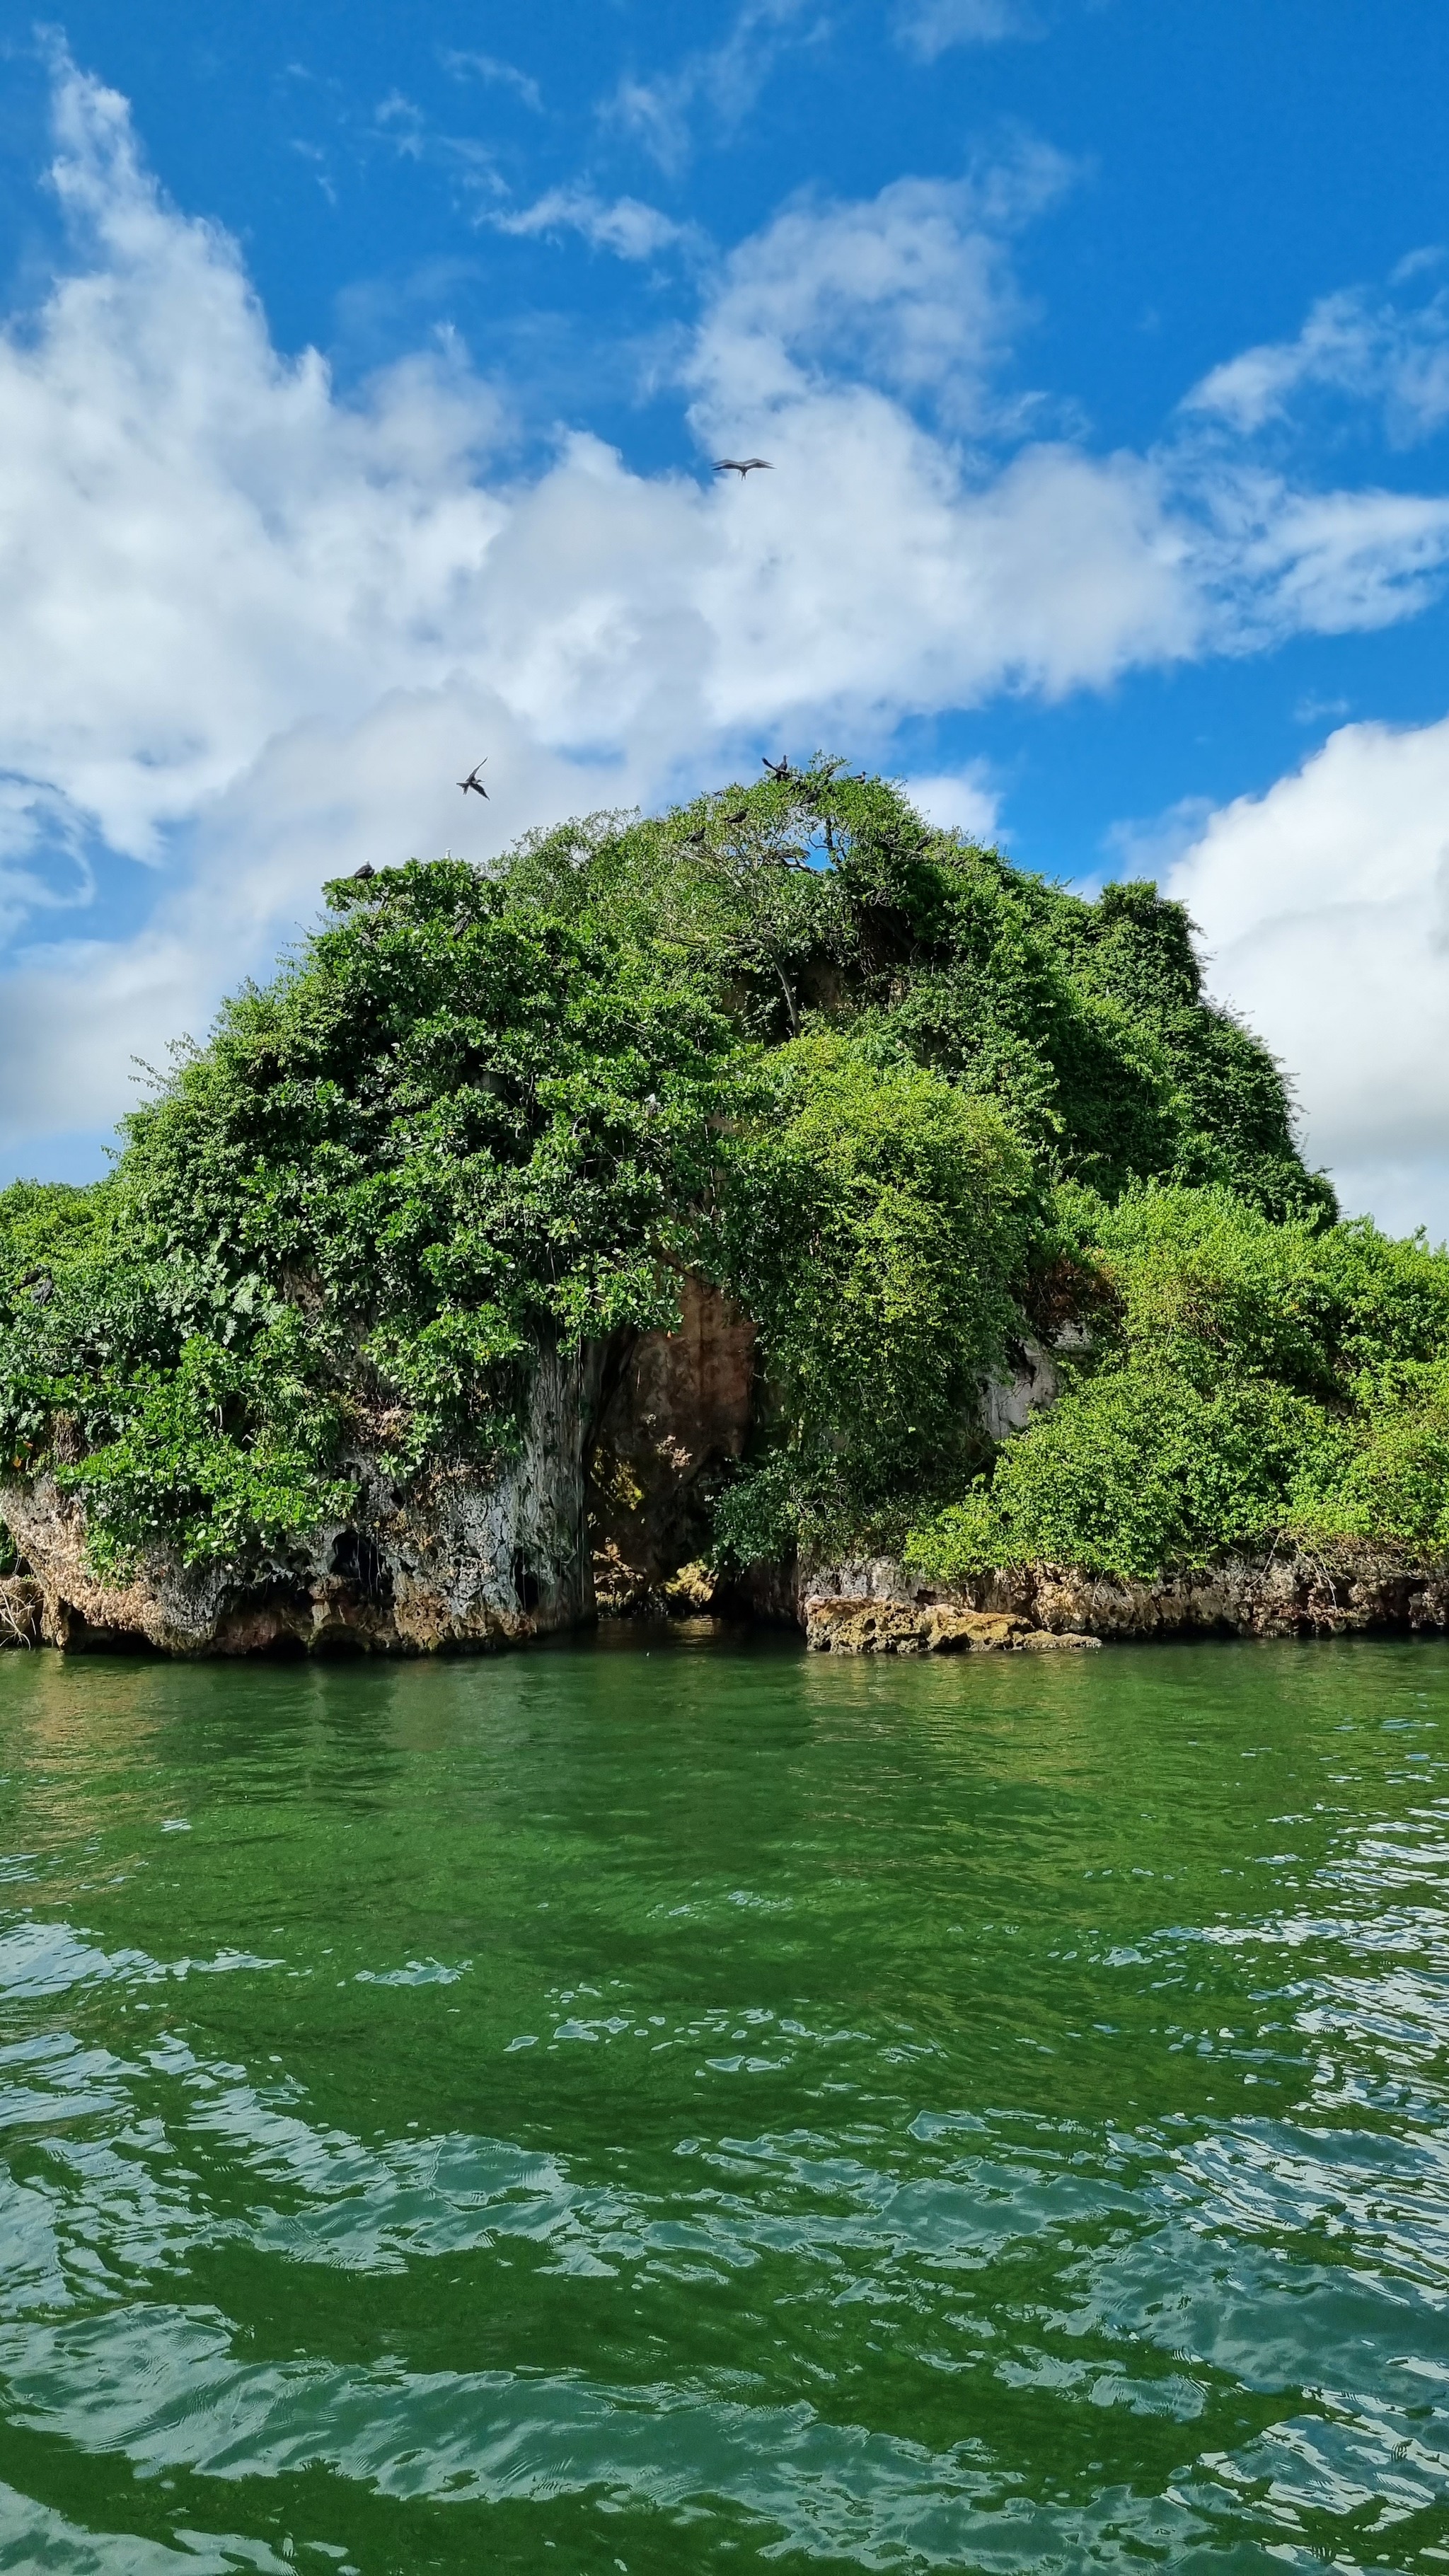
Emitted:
pixel 622 1452
pixel 457 1561
pixel 1008 1403
pixel 1285 1594
pixel 21 1609
pixel 837 1625
pixel 675 1415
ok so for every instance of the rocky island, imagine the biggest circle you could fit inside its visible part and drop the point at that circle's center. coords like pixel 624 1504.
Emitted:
pixel 777 1208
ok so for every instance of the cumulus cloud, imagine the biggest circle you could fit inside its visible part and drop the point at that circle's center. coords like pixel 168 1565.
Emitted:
pixel 196 538
pixel 1324 906
pixel 255 631
pixel 912 289
pixel 958 800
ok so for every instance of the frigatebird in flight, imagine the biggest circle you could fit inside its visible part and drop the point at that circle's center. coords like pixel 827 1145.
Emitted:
pixel 743 465
pixel 473 780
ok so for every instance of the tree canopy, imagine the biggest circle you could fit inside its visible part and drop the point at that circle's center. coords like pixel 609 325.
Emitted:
pixel 904 1101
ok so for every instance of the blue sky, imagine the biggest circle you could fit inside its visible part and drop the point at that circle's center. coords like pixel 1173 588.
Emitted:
pixel 360 378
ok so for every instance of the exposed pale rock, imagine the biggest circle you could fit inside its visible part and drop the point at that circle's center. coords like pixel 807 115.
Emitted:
pixel 838 1625
pixel 1289 1592
pixel 458 1560
pixel 1008 1403
pixel 622 1448
pixel 20 1611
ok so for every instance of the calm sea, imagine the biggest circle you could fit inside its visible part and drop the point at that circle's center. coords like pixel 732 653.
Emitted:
pixel 666 2105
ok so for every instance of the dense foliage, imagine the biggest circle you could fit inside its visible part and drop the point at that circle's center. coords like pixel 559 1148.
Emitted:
pixel 1242 1382
pixel 905 1102
pixel 461 1125
pixel 873 1220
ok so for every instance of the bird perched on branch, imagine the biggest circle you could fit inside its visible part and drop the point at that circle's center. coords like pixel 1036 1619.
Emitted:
pixel 695 840
pixel 740 815
pixel 473 780
pixel 364 874
pixel 743 465
pixel 779 768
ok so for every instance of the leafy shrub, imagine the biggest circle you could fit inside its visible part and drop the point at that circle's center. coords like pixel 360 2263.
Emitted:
pixel 1247 1381
pixel 874 1220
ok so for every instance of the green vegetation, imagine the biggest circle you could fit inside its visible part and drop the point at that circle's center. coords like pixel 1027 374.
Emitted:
pixel 1244 1382
pixel 905 1102
pixel 873 1217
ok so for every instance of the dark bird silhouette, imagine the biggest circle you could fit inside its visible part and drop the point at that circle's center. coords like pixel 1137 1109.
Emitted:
pixel 779 768
pixel 364 874
pixel 739 816
pixel 695 840
pixel 473 780
pixel 743 465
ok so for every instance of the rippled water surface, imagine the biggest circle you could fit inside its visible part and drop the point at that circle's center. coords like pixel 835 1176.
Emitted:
pixel 715 2107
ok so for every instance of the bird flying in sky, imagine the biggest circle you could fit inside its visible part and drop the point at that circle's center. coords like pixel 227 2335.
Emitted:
pixel 473 780
pixel 742 465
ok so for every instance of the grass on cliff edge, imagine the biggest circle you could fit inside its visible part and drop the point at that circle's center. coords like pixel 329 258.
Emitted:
pixel 904 1101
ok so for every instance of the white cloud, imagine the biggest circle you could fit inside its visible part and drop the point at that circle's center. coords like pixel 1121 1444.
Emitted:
pixel 45 860
pixel 1319 563
pixel 725 80
pixel 487 67
pixel 254 632
pixel 927 28
pixel 196 538
pixel 958 800
pixel 625 226
pixel 1151 848
pixel 912 289
pixel 1311 709
pixel 1351 345
pixel 1324 906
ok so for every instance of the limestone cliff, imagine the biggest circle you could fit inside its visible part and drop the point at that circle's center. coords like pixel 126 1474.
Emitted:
pixel 606 1503
pixel 1286 1592
pixel 456 1561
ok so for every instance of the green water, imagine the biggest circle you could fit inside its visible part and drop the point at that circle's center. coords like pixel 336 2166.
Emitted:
pixel 717 2107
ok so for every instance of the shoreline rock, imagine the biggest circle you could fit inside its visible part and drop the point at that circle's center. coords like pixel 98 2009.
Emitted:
pixel 455 1563
pixel 1350 1590
pixel 21 1611
pixel 838 1625
pixel 605 1509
